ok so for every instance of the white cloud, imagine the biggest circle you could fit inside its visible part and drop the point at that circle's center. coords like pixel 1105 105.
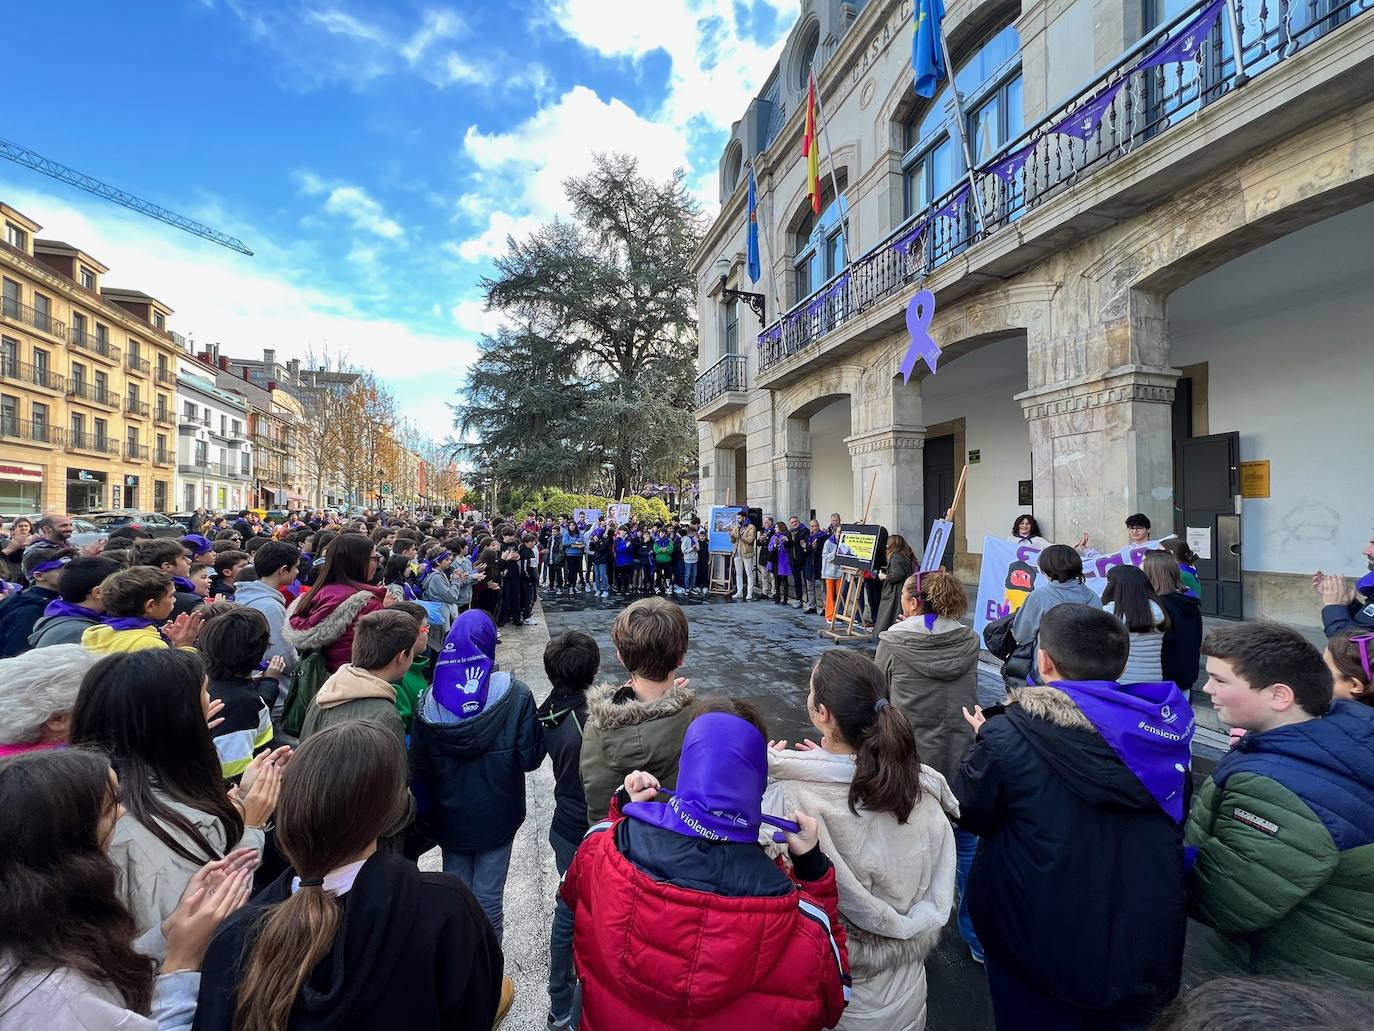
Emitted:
pixel 352 203
pixel 277 299
pixel 472 316
pixel 491 242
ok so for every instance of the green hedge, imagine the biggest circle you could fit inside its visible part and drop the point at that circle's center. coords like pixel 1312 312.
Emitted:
pixel 557 502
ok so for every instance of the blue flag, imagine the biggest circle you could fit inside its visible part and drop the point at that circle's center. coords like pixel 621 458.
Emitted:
pixel 927 52
pixel 753 232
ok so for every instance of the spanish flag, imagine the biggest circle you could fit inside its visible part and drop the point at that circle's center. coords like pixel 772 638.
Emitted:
pixel 811 148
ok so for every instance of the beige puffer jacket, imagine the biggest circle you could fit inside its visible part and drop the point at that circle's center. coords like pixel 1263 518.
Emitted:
pixel 896 880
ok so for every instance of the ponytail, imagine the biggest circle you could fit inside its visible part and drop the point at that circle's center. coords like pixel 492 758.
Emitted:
pixel 887 768
pixel 294 937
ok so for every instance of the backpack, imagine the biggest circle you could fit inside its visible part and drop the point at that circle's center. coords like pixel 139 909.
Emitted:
pixel 307 679
pixel 997 636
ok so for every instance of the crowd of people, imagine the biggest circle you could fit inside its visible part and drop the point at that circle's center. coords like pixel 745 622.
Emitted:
pixel 221 757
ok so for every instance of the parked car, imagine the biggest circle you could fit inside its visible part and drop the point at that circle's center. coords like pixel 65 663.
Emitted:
pixel 155 523
pixel 84 532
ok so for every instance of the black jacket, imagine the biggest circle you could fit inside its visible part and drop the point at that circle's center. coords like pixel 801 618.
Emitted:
pixel 1078 883
pixel 469 775
pixel 561 718
pixel 413 950
pixel 1183 640
pixel 18 613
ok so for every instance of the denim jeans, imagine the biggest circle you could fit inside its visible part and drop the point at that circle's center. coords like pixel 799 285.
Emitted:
pixel 603 582
pixel 965 845
pixel 485 874
pixel 562 977
pixel 689 575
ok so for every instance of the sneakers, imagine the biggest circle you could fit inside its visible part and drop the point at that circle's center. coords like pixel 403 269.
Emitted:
pixel 553 1023
pixel 531 622
pixel 507 997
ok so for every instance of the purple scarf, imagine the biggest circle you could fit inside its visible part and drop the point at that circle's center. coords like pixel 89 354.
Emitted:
pixel 183 584
pixel 134 623
pixel 462 676
pixel 1365 584
pixel 57 607
pixel 1149 727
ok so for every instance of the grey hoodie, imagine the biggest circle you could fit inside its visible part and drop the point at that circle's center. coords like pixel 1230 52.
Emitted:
pixel 269 601
pixel 51 630
pixel 1027 622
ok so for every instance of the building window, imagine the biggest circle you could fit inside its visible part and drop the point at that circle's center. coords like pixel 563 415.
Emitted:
pixel 202 452
pixel 40 365
pixel 42 312
pixel 102 386
pixel 244 463
pixel 237 428
pixel 805 58
pixel 78 376
pixel 134 349
pixel 87 278
pixel 9 414
pixel 160 495
pixel 131 439
pixel 102 337
pixel 819 242
pixel 159 320
pixel 223 425
pixel 12 298
pixel 78 427
pixel 189 409
pixel 102 434
pixel 732 328
pixel 16 237
pixel 9 358
pixel 133 394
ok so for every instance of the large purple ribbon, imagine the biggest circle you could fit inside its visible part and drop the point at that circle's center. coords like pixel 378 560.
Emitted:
pixel 919 313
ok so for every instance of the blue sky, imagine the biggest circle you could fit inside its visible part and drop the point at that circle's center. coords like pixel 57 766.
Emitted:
pixel 374 155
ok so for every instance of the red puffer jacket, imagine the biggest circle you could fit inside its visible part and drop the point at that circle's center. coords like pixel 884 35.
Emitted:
pixel 328 626
pixel 653 955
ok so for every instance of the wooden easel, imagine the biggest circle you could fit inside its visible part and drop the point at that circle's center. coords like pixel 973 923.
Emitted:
pixel 720 564
pixel 842 627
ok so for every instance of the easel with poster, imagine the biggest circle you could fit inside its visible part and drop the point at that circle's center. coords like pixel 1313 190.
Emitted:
pixel 719 520
pixel 940 531
pixel 858 546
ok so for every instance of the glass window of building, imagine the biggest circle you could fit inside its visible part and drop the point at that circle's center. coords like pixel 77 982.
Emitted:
pixel 16 237
pixel 87 278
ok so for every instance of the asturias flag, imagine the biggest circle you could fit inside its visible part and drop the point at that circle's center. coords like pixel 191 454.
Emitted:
pixel 753 261
pixel 927 52
pixel 811 148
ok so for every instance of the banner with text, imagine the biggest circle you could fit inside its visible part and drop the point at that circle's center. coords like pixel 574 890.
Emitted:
pixel 859 545
pixel 1009 573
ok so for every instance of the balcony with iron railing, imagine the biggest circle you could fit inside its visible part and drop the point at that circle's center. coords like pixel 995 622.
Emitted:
pixel 93 344
pixel 133 406
pixel 37 432
pixel 80 441
pixel 166 376
pixel 80 390
pixel 31 317
pixel 136 364
pixel 162 456
pixel 136 452
pixel 164 415
pixel 722 388
pixel 195 422
pixel 31 375
pixel 1132 108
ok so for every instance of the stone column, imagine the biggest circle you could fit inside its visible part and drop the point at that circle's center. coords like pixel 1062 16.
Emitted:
pixel 792 476
pixel 892 459
pixel 717 476
pixel 1099 408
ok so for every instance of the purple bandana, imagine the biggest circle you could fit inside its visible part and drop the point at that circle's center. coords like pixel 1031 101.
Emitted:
pixel 1365 584
pixel 1150 728
pixel 58 607
pixel 183 584
pixel 462 676
pixel 134 623
pixel 721 777
pixel 198 542
pixel 48 567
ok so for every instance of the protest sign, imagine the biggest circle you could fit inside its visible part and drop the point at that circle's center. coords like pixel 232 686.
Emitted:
pixel 586 515
pixel 720 519
pixel 859 545
pixel 620 514
pixel 940 530
pixel 1009 573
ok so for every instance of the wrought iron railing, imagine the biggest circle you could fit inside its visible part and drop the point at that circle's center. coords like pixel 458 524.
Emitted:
pixel 137 364
pixel 94 343
pixel 22 372
pixel 27 429
pixel 136 452
pixel 136 407
pixel 39 320
pixel 164 415
pixel 80 441
pixel 165 375
pixel 726 375
pixel 162 456
pixel 92 393
pixel 1120 109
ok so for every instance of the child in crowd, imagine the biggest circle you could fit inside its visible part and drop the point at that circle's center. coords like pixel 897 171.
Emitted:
pixel 1077 791
pixel 172 557
pixel 1284 826
pixel 681 920
pixel 138 604
pixel 277 564
pixel 473 739
pixel 572 557
pixel 639 724
pixel 227 565
pixel 1130 598
pixel 690 550
pixel 414 681
pixel 624 562
pixel 1349 656
pixel 20 612
pixel 396 579
pixel 233 644
pixel 529 578
pixel 78 605
pixel 883 819
pixel 644 561
pixel 1187 565
pixel 663 562
pixel 1182 645
pixel 602 555
pixel 571 661
pixel 384 646
pixel 1063 569
pixel 201 578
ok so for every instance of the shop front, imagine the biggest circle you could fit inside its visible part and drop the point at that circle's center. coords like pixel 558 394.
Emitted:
pixel 85 490
pixel 131 492
pixel 21 488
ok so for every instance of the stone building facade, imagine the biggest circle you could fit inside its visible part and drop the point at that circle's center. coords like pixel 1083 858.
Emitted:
pixel 1167 312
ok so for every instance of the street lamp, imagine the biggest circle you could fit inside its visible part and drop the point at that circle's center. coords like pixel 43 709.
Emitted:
pixel 755 301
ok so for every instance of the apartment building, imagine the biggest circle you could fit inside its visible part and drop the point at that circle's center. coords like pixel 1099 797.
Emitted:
pixel 87 382
pixel 1152 276
pixel 214 449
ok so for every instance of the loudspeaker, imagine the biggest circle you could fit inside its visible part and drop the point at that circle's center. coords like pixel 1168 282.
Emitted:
pixel 755 516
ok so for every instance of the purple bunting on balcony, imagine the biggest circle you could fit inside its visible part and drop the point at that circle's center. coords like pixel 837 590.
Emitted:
pixel 1007 166
pixel 919 313
pixel 955 208
pixel 1186 42
pixel 1083 121
pixel 909 239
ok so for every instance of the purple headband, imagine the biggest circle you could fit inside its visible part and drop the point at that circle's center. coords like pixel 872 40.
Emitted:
pixel 49 566
pixel 1363 641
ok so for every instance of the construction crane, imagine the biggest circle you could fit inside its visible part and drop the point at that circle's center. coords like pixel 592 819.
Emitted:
pixel 32 159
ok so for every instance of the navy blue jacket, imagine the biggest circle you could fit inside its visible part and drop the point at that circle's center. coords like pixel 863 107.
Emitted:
pixel 1358 615
pixel 469 775
pixel 18 613
pixel 561 718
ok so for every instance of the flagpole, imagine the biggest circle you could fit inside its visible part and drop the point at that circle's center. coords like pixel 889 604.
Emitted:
pixel 963 129
pixel 834 182
pixel 763 237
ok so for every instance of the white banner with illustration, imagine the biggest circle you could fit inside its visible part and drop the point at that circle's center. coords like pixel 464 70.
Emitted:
pixel 1010 573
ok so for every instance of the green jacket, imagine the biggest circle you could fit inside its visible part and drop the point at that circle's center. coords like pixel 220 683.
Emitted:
pixel 624 734
pixel 1284 832
pixel 409 688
